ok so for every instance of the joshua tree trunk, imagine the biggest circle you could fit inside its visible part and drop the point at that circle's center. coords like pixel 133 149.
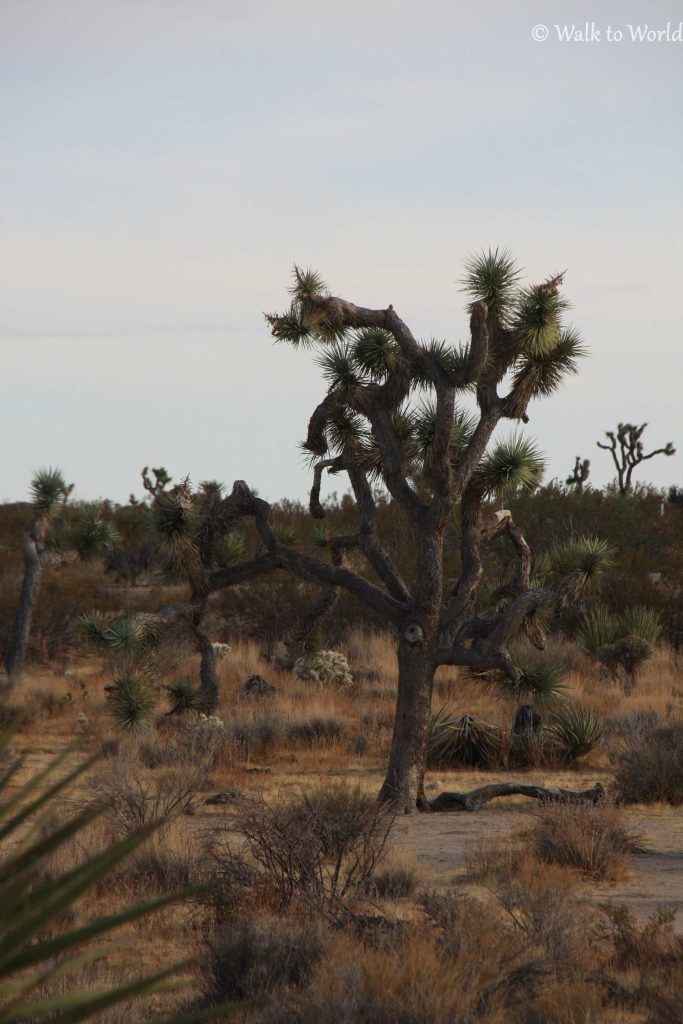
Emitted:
pixel 404 783
pixel 21 628
pixel 208 680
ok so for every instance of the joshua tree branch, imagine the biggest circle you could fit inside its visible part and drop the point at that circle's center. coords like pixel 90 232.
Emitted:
pixel 476 798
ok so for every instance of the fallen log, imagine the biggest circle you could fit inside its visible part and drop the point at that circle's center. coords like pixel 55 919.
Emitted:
pixel 476 798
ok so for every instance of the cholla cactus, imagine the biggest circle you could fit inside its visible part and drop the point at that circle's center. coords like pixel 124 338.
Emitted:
pixel 221 650
pixel 324 667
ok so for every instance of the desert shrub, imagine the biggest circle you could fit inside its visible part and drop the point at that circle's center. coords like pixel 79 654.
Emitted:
pixel 593 839
pixel 408 983
pixel 317 850
pixel 395 882
pixel 258 954
pixel 257 734
pixel 316 730
pixel 650 767
pixel 153 870
pixel 324 667
pixel 133 802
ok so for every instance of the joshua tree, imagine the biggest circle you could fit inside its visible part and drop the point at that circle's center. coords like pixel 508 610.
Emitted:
pixel 627 451
pixel 89 535
pixel 580 473
pixel 391 415
pixel 48 494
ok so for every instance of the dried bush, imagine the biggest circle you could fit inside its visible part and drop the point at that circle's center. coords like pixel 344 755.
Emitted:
pixel 317 730
pixel 257 955
pixel 133 801
pixel 406 984
pixel 650 768
pixel 317 850
pixel 395 882
pixel 257 734
pixel 593 839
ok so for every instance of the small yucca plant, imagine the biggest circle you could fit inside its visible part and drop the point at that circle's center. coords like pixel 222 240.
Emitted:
pixel 575 730
pixel 131 702
pixel 183 697
pixel 463 740
pixel 598 627
pixel 643 623
pixel 539 680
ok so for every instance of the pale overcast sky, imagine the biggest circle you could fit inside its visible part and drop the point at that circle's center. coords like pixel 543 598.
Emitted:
pixel 164 162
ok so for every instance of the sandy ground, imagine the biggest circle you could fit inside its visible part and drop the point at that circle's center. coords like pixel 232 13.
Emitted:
pixel 438 843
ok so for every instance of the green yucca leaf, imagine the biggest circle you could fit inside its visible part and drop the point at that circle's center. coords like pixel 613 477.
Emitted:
pixel 544 371
pixel 91 534
pixel 32 954
pixel 586 557
pixel 598 627
pixel 285 535
pixel 462 740
pixel 344 428
pixel 492 277
pixel 375 352
pixel 289 328
pixel 339 370
pixel 450 358
pixel 48 489
pixel 512 464
pixel 307 284
pixel 641 622
pixel 131 702
pixel 538 680
pixel 232 549
pixel 124 636
pixel 94 627
pixel 183 697
pixel 537 318
pixel 576 730
pixel 175 515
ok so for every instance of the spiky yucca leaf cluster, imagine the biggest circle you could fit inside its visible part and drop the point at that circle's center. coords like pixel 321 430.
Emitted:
pixel 539 680
pixel 584 558
pixel 175 519
pixel 462 740
pixel 232 549
pixel 91 533
pixel 35 947
pixel 512 464
pixel 542 372
pixel 183 697
pixel 598 627
pixel 131 702
pixel 642 622
pixel 576 730
pixel 48 491
pixel 493 277
pixel 125 636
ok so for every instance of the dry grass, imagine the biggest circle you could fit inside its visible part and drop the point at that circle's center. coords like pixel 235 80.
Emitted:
pixel 528 918
pixel 593 839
